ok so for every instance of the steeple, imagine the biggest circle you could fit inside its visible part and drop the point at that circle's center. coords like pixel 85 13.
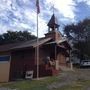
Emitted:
pixel 53 24
pixel 53 29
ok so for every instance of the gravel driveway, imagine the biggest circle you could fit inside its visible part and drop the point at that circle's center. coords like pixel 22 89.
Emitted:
pixel 69 77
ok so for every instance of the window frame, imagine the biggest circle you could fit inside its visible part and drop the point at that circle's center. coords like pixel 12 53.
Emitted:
pixel 5 60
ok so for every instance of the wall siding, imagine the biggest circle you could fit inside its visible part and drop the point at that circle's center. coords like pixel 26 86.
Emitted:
pixel 4 68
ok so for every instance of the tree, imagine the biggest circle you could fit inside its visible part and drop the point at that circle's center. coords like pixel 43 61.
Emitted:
pixel 80 35
pixel 15 36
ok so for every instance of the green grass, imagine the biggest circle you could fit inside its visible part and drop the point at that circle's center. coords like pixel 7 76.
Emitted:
pixel 31 85
pixel 43 83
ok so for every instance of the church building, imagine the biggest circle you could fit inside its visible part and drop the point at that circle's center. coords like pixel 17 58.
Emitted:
pixel 19 58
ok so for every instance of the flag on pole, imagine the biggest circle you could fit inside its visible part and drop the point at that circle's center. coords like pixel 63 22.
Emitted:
pixel 37 5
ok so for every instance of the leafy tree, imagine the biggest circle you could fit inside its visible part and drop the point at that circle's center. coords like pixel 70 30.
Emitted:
pixel 80 35
pixel 15 36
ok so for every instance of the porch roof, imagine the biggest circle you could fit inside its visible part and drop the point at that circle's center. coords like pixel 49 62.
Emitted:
pixel 64 40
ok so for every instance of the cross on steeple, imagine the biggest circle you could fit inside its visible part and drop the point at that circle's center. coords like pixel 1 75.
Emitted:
pixel 53 28
pixel 53 8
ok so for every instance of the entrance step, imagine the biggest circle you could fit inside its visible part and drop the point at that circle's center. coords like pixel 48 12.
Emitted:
pixel 64 68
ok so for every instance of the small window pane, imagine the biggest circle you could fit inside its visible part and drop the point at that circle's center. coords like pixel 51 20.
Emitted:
pixel 4 58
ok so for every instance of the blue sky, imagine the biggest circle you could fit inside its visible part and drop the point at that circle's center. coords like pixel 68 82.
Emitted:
pixel 21 14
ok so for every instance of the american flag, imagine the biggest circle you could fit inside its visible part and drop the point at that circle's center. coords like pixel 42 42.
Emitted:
pixel 37 5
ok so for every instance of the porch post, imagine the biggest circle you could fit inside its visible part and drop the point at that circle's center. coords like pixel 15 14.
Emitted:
pixel 71 65
pixel 55 52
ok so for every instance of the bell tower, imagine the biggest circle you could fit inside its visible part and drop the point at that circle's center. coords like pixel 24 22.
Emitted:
pixel 53 29
pixel 52 24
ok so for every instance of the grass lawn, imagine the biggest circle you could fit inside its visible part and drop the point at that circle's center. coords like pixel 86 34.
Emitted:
pixel 43 83
pixel 31 85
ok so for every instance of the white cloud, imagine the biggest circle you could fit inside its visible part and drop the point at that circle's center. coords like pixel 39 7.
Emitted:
pixel 3 29
pixel 88 2
pixel 25 14
pixel 32 17
pixel 66 7
pixel 42 27
pixel 23 25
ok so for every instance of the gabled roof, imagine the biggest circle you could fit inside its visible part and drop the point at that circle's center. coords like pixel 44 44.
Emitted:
pixel 32 43
pixel 58 42
pixel 26 44
pixel 7 47
pixel 63 40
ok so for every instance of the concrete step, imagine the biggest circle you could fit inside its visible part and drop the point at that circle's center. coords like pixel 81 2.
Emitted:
pixel 64 68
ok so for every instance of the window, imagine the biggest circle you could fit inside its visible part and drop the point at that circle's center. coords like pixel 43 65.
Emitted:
pixel 4 58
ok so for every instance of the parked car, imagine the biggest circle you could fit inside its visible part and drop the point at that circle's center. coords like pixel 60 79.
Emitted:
pixel 85 63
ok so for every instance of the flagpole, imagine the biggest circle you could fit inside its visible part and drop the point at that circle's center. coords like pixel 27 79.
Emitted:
pixel 37 48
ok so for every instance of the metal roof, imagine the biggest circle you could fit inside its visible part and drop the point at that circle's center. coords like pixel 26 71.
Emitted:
pixel 32 43
pixel 57 42
pixel 26 44
pixel 7 47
